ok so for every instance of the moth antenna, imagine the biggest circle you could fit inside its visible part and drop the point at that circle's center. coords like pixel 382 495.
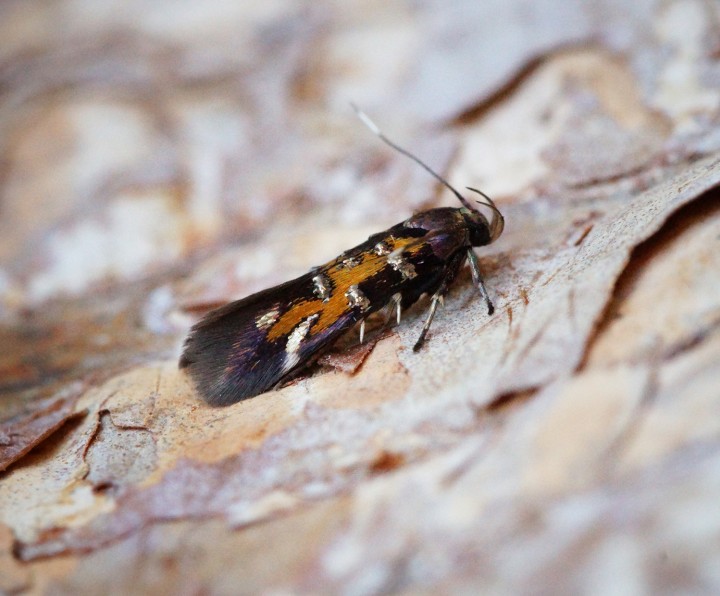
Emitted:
pixel 374 128
pixel 490 203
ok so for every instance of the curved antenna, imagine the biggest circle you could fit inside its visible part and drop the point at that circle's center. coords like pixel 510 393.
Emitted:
pixel 374 128
pixel 490 203
pixel 497 224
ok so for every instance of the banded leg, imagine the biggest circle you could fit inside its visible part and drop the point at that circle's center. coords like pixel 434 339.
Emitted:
pixel 395 304
pixel 398 306
pixel 431 314
pixel 438 296
pixel 451 271
pixel 478 281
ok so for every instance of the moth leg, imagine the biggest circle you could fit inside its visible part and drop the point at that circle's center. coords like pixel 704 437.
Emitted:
pixel 362 330
pixel 437 297
pixel 396 305
pixel 478 281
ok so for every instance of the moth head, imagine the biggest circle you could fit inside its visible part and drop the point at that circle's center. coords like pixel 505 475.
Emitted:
pixel 493 229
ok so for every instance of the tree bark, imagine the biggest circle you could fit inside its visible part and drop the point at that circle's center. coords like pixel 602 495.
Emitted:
pixel 159 160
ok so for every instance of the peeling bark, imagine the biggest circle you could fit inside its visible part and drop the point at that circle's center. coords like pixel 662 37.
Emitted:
pixel 157 163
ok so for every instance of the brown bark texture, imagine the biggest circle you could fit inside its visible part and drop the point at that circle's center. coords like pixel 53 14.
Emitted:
pixel 157 158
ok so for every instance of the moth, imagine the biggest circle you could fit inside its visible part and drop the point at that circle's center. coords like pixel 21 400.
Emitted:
pixel 246 347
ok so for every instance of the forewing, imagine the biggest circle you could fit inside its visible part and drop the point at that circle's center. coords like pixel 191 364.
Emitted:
pixel 245 347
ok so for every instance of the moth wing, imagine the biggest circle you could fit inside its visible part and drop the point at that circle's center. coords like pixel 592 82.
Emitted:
pixel 230 355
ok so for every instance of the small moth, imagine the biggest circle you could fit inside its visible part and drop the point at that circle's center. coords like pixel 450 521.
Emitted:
pixel 248 346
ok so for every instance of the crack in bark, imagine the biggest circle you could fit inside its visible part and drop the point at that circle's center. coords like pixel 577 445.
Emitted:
pixel 503 91
pixel 672 227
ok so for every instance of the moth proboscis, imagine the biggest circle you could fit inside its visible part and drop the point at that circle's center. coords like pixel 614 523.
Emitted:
pixel 248 346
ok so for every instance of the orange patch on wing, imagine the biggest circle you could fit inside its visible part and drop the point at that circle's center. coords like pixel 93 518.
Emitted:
pixel 342 278
pixel 293 317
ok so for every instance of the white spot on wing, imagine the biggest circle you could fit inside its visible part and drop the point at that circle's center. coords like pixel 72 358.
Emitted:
pixel 397 262
pixel 295 339
pixel 322 289
pixel 349 262
pixel 382 248
pixel 355 297
pixel 268 319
